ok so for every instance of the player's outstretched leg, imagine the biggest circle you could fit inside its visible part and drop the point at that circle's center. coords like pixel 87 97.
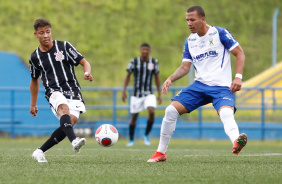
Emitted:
pixel 39 155
pixel 57 136
pixel 167 129
pixel 239 143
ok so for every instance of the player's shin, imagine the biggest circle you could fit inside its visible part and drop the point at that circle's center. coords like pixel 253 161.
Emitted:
pixel 230 125
pixel 57 136
pixel 167 128
pixel 67 128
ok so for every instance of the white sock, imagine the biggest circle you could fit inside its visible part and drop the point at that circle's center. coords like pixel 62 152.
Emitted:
pixel 168 127
pixel 230 125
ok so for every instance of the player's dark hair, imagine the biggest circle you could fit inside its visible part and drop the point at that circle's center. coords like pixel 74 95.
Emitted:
pixel 41 23
pixel 145 45
pixel 199 9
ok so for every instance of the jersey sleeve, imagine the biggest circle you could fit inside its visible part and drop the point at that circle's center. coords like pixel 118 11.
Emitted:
pixel 130 66
pixel 186 54
pixel 73 55
pixel 227 38
pixel 156 67
pixel 35 73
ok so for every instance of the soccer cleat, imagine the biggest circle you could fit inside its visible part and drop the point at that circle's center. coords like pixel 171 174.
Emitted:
pixel 130 143
pixel 78 143
pixel 147 140
pixel 39 155
pixel 239 143
pixel 158 157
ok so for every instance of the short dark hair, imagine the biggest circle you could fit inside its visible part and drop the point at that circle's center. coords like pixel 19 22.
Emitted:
pixel 199 9
pixel 41 23
pixel 145 45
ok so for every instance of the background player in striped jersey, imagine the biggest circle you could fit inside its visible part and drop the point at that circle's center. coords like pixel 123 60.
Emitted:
pixel 54 62
pixel 208 48
pixel 143 67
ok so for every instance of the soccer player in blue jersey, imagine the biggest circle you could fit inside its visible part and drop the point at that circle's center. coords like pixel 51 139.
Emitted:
pixel 208 48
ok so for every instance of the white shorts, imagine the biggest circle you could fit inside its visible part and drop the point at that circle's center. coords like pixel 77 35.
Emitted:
pixel 139 104
pixel 75 106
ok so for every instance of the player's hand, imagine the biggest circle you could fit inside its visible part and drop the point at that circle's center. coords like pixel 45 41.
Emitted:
pixel 236 85
pixel 160 100
pixel 166 85
pixel 124 96
pixel 33 111
pixel 88 76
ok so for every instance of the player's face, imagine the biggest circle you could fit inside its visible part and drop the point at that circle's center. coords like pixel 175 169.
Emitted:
pixel 145 51
pixel 44 35
pixel 195 22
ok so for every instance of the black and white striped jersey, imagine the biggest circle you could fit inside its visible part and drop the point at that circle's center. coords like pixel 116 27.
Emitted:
pixel 143 74
pixel 56 69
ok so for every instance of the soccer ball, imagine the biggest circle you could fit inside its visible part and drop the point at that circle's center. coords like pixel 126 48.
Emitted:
pixel 106 135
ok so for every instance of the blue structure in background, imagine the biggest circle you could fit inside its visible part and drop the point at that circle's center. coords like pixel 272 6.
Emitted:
pixel 16 120
pixel 14 74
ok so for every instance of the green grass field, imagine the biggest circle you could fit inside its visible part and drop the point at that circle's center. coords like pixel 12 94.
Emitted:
pixel 188 161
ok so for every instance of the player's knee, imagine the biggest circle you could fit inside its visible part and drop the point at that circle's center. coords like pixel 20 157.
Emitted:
pixel 151 110
pixel 73 119
pixel 171 114
pixel 227 116
pixel 63 109
pixel 226 113
pixel 133 118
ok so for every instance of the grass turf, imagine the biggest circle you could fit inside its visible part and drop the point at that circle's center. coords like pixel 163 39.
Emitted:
pixel 188 161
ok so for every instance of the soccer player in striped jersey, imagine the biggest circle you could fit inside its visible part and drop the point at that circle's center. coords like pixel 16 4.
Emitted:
pixel 144 68
pixel 53 61
pixel 208 48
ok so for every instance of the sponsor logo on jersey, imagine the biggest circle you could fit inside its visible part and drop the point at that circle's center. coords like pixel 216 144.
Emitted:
pixel 59 56
pixel 211 42
pixel 150 66
pixel 192 39
pixel 73 53
pixel 211 34
pixel 69 93
pixel 204 56
pixel 202 44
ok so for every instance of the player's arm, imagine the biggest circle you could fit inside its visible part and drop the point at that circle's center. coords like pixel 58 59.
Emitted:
pixel 34 89
pixel 87 69
pixel 125 83
pixel 179 73
pixel 240 62
pixel 158 83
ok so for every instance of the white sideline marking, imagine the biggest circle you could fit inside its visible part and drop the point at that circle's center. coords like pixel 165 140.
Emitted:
pixel 248 155
pixel 116 149
pixel 262 154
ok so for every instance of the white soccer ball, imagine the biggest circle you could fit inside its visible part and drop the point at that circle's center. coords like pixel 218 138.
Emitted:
pixel 106 135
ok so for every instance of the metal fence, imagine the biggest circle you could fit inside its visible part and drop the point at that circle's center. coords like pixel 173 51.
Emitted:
pixel 108 100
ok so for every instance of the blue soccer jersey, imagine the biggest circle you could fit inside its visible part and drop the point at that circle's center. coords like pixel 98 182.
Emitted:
pixel 210 55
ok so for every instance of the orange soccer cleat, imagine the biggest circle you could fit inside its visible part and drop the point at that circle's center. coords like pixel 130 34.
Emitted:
pixel 239 143
pixel 158 157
